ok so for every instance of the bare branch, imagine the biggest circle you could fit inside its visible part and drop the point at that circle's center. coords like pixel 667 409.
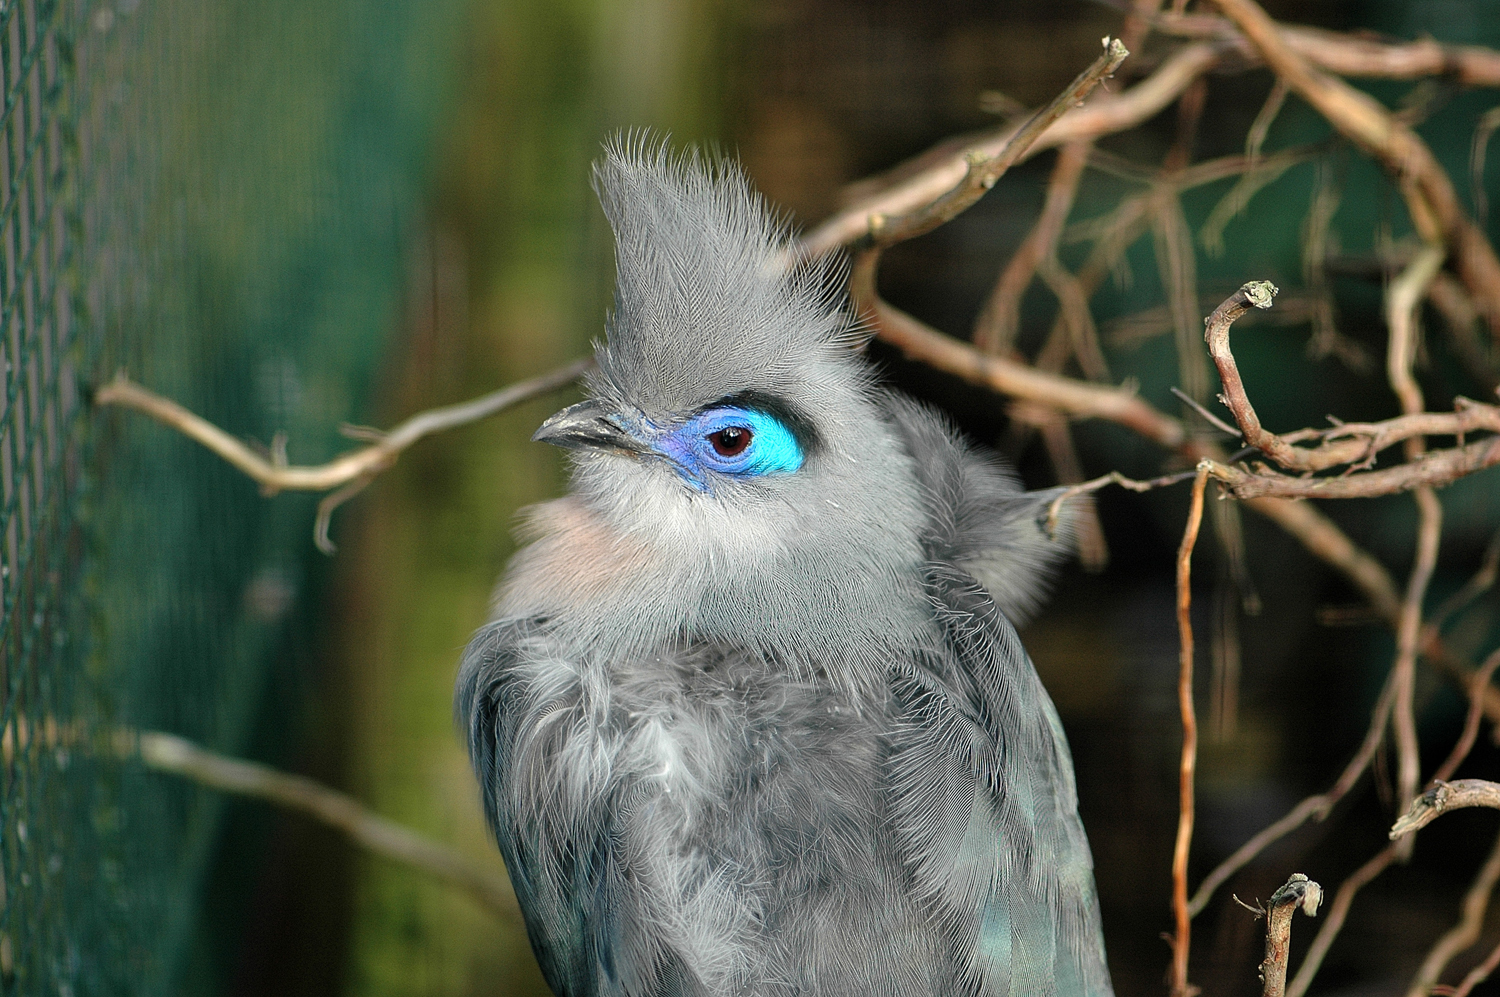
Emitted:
pixel 1182 933
pixel 1296 893
pixel 1105 115
pixel 354 469
pixel 1429 193
pixel 1312 808
pixel 999 319
pixel 1443 797
pixel 981 167
pixel 169 753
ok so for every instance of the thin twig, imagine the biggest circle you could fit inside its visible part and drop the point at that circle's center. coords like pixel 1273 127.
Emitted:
pixel 1298 892
pixel 343 469
pixel 982 168
pixel 1430 197
pixel 1463 934
pixel 178 756
pixel 354 469
pixel 1261 126
pixel 1182 933
pixel 1402 299
pixel 1106 114
pixel 170 753
pixel 1475 976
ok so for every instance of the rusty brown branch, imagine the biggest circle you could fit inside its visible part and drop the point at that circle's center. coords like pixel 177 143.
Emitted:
pixel 1475 976
pixel 1182 932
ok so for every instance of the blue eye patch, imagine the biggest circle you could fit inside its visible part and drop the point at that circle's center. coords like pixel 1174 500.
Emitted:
pixel 729 439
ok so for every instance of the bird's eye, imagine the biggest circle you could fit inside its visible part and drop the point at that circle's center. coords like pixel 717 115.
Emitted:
pixel 730 441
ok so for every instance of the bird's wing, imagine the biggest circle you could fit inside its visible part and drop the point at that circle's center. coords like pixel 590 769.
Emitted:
pixel 554 821
pixel 986 807
pixel 980 515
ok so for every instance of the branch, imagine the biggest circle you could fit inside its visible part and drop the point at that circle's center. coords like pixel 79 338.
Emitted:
pixel 940 173
pixel 981 167
pixel 181 757
pixel 1431 200
pixel 1182 935
pixel 1443 797
pixel 355 467
pixel 1000 317
pixel 169 753
pixel 1298 892
pixel 1312 808
pixel 1355 55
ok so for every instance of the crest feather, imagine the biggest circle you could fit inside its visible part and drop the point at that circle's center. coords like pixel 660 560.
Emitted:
pixel 705 306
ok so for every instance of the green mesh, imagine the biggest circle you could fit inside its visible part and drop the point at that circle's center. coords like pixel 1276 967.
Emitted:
pixel 212 196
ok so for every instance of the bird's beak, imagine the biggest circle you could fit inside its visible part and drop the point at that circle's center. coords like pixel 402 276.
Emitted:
pixel 591 425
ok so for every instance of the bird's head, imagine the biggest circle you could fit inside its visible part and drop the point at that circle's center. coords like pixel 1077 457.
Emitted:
pixel 731 418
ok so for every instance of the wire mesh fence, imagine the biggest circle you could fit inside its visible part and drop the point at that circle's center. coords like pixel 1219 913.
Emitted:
pixel 213 197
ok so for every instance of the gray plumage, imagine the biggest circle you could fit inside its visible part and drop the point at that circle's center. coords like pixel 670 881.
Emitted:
pixel 769 730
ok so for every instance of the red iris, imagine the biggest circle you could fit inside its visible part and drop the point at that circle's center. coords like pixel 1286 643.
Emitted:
pixel 730 441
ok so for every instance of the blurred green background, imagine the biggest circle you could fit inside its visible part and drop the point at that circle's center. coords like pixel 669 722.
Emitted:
pixel 287 215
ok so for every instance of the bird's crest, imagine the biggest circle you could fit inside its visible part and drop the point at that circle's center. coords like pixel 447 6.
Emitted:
pixel 705 304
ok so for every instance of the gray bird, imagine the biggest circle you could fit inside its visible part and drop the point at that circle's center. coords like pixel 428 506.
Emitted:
pixel 751 716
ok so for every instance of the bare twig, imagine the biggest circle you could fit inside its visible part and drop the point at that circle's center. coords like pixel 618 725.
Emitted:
pixel 1430 198
pixel 1463 934
pixel 1338 911
pixel 1182 933
pixel 1403 297
pixel 1104 115
pixel 1443 797
pixel 1356 55
pixel 1475 976
pixel 357 466
pixel 1261 126
pixel 178 756
pixel 1298 892
pixel 981 167
pixel 170 753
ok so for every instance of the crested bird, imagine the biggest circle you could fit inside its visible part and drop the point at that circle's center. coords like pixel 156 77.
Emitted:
pixel 751 715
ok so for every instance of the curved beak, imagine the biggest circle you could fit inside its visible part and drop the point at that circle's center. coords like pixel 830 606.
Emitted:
pixel 591 425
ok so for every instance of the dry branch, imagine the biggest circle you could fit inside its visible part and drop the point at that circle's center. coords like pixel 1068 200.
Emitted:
pixel 1105 115
pixel 1430 198
pixel 1443 797
pixel 354 469
pixel 1463 934
pixel 1187 766
pixel 1298 892
pixel 170 753
pixel 983 168
pixel 1338 911
pixel 1355 55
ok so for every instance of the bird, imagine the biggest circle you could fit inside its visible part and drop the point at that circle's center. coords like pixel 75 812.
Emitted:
pixel 751 714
